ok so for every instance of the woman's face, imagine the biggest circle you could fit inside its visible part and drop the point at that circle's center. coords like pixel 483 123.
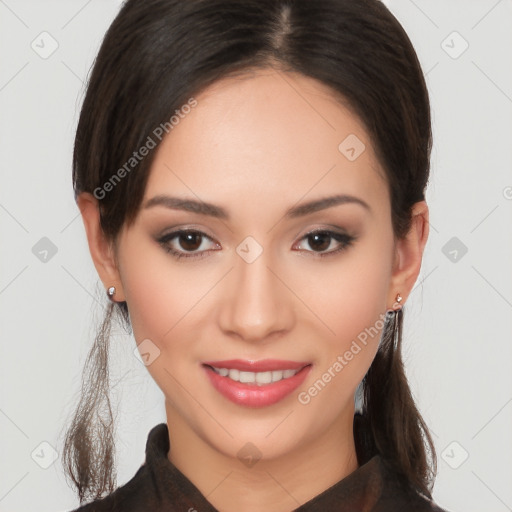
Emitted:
pixel 256 165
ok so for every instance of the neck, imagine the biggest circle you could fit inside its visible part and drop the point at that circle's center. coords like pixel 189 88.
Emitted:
pixel 280 484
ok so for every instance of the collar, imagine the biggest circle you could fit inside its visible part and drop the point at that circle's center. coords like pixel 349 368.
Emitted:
pixel 361 490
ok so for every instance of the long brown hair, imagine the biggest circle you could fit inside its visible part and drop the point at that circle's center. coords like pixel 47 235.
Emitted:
pixel 155 57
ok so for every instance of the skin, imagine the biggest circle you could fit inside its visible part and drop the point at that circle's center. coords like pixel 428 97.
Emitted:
pixel 257 145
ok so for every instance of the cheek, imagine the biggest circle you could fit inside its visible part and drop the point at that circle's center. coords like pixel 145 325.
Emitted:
pixel 159 293
pixel 352 305
pixel 165 307
pixel 348 294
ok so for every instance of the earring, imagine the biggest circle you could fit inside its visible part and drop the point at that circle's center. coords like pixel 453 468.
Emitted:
pixel 395 315
pixel 397 306
pixel 110 293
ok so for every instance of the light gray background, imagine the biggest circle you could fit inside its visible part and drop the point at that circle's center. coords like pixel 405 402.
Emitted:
pixel 458 346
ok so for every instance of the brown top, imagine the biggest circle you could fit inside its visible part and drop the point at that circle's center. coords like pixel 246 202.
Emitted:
pixel 158 486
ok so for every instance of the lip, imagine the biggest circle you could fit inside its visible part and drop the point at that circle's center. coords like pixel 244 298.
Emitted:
pixel 253 395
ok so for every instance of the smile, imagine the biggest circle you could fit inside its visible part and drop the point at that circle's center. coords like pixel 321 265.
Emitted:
pixel 256 383
pixel 258 378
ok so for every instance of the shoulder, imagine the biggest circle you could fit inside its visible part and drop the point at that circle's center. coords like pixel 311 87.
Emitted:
pixel 407 503
pixel 130 497
pixel 397 498
pixel 141 491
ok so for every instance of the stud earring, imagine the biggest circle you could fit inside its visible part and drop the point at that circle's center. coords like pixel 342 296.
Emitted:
pixel 397 306
pixel 110 293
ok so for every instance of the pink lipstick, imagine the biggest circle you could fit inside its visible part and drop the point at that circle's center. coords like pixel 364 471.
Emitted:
pixel 256 383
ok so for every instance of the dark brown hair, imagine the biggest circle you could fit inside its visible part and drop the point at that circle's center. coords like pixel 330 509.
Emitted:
pixel 155 57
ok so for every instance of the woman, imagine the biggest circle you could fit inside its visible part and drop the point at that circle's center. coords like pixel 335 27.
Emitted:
pixel 251 177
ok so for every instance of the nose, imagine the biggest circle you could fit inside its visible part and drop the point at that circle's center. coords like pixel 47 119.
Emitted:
pixel 256 305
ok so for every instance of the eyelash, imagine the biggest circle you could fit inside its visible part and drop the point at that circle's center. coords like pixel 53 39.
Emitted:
pixel 345 240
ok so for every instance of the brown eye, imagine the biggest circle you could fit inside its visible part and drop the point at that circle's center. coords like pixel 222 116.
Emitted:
pixel 190 241
pixel 319 241
pixel 326 243
pixel 188 244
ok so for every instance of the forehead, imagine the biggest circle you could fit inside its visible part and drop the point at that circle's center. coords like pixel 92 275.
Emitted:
pixel 267 136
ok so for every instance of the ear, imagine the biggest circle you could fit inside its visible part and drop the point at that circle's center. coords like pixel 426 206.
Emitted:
pixel 101 249
pixel 409 254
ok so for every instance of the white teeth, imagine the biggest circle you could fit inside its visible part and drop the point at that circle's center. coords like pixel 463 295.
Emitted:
pixel 277 375
pixel 263 378
pixel 248 377
pixel 259 378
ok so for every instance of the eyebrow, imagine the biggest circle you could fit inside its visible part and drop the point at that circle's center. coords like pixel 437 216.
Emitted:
pixel 203 208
